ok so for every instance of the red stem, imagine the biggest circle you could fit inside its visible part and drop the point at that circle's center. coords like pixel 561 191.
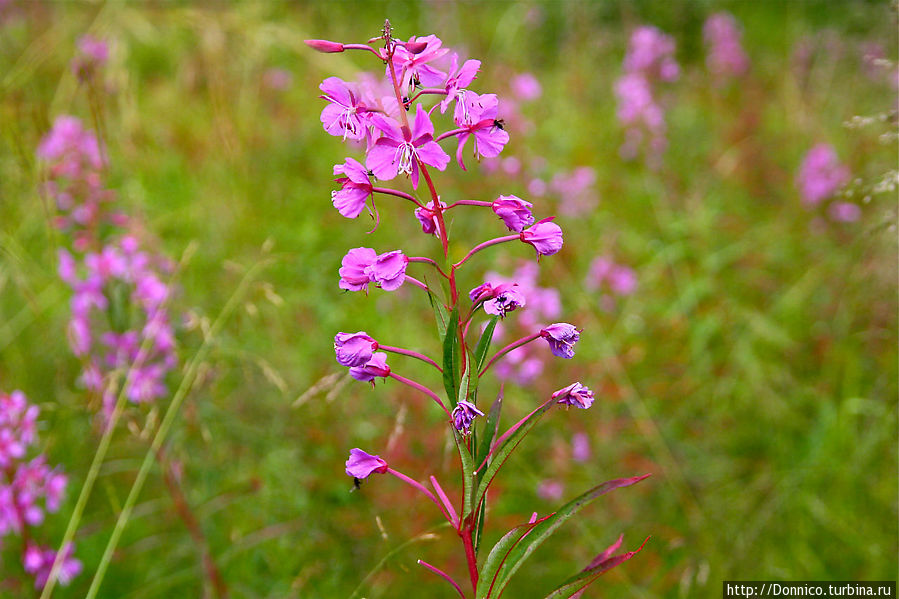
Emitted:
pixel 470 557
pixel 507 349
pixel 411 354
pixel 397 193
pixel 422 388
pixel 442 575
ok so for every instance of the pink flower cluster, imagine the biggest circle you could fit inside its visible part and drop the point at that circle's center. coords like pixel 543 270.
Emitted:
pixel 119 321
pixel 399 138
pixel 821 175
pixel 725 57
pixel 28 488
pixel 119 326
pixel 649 60
pixel 75 182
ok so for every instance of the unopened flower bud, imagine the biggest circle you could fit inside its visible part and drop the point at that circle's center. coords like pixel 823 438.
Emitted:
pixel 416 47
pixel 324 46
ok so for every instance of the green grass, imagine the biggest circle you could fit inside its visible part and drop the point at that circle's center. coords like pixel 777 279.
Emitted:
pixel 754 372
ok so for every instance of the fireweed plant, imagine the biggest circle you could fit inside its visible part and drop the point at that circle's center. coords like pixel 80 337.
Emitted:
pixel 391 118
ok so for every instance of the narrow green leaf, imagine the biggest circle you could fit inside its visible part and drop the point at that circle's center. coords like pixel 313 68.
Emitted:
pixel 588 576
pixel 464 383
pixel 480 352
pixel 496 556
pixel 441 316
pixel 501 453
pixel 491 429
pixel 468 480
pixel 544 529
pixel 451 357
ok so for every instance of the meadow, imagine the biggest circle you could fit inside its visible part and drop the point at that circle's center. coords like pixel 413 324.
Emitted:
pixel 746 356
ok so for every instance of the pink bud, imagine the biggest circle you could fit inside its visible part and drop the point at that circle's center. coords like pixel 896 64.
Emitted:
pixel 324 46
pixel 416 47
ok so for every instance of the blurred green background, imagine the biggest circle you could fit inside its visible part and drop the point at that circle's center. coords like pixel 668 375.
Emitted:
pixel 754 372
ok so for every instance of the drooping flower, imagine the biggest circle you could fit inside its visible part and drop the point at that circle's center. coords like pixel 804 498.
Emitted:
pixel 561 337
pixel 354 270
pixel 361 464
pixel 345 116
pixel 505 298
pixel 361 266
pixel 354 349
pixel 821 175
pixel 545 237
pixel 514 212
pixel 477 115
pixel 375 367
pixel 574 394
pixel 427 216
pixel 399 150
pixel 463 415
pixel 355 188
pixel 389 270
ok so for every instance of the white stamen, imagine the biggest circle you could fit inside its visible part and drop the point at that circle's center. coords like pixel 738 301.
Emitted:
pixel 405 154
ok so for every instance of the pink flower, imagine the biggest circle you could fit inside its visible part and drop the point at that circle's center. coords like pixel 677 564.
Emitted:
pixel 545 237
pixel 463 415
pixel 428 218
pixel 362 266
pixel 354 270
pixel 412 67
pixel 478 118
pixel 574 394
pixel 399 151
pixel 356 188
pixel 375 367
pixel 561 337
pixel 458 80
pixel 515 212
pixel 505 298
pixel 389 270
pixel 345 116
pixel 324 46
pixel 361 464
pixel 354 349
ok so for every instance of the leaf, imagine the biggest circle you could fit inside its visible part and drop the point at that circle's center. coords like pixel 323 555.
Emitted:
pixel 468 480
pixel 542 531
pixel 497 556
pixel 440 314
pixel 490 429
pixel 505 447
pixel 574 586
pixel 480 352
pixel 451 357
pixel 464 383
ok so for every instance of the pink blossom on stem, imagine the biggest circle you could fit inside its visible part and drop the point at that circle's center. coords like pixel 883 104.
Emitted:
pixel 561 337
pixel 374 368
pixel 574 394
pixel 427 216
pixel 545 237
pixel 458 80
pixel 361 464
pixel 354 349
pixel 463 415
pixel 399 150
pixel 345 115
pixel 514 212
pixel 478 118
pixel 355 188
